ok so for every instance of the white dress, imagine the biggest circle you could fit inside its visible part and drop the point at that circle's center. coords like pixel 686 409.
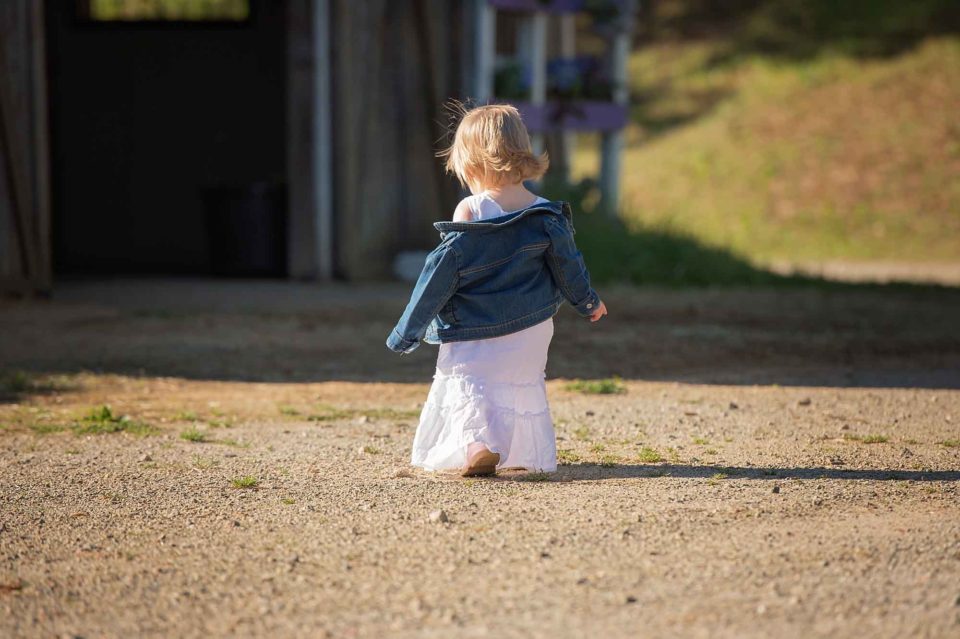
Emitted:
pixel 491 391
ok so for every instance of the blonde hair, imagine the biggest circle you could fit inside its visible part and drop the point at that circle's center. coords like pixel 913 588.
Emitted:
pixel 491 145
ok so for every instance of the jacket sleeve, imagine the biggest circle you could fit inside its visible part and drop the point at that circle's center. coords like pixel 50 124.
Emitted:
pixel 568 269
pixel 436 284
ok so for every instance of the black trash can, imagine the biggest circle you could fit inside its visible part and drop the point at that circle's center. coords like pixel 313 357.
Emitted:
pixel 247 230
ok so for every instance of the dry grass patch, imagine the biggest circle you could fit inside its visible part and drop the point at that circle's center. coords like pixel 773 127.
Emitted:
pixel 611 386
pixel 247 481
pixel 648 455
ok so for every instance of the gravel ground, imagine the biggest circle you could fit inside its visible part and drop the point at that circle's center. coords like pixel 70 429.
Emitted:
pixel 775 463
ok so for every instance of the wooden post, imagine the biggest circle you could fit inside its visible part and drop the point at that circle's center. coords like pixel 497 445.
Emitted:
pixel 15 135
pixel 568 49
pixel 612 143
pixel 322 140
pixel 538 68
pixel 310 230
pixel 484 45
pixel 41 148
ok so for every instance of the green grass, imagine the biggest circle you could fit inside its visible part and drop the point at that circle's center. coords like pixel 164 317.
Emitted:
pixel 101 420
pixel 716 478
pixel 609 461
pixel 597 448
pixel 703 441
pixel 581 433
pixel 648 455
pixel 47 428
pixel 247 481
pixel 796 133
pixel 193 435
pixel 951 443
pixel 371 450
pixel 867 439
pixel 15 383
pixel 610 386
pixel 204 463
pixel 567 456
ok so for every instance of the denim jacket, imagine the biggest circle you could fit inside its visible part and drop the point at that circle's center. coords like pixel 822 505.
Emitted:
pixel 493 277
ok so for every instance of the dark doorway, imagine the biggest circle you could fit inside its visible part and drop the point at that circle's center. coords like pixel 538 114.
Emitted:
pixel 146 117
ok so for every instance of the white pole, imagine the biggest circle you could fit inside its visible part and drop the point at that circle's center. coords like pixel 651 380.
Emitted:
pixel 322 141
pixel 484 44
pixel 538 68
pixel 612 145
pixel 568 49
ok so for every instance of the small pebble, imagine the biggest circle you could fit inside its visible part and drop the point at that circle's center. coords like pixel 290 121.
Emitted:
pixel 776 489
pixel 145 457
pixel 631 599
pixel 804 402
pixel 734 406
pixel 439 517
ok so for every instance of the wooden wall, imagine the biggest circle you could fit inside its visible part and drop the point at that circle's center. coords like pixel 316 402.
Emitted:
pixel 149 118
pixel 25 263
pixel 394 64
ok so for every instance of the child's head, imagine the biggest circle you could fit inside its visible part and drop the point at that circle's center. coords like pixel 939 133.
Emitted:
pixel 491 147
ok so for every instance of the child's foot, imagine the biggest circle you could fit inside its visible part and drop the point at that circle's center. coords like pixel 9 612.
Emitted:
pixel 480 461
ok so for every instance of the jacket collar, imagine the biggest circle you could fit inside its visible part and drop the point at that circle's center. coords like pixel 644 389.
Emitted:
pixel 556 207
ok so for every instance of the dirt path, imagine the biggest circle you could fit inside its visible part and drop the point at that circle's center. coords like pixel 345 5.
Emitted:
pixel 946 273
pixel 778 463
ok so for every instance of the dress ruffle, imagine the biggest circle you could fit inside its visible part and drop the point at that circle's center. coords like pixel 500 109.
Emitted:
pixel 505 410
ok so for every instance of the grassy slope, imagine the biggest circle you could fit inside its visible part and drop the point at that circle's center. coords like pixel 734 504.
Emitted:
pixel 822 157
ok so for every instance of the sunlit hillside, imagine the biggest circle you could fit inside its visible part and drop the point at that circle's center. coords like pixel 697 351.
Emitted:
pixel 823 152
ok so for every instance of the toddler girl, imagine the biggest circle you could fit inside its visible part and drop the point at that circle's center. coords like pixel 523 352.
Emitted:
pixel 487 295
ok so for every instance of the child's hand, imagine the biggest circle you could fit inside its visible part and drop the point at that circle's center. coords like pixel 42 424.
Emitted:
pixel 600 312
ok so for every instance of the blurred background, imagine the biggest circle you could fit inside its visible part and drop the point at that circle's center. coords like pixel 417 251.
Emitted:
pixel 702 142
pixel 209 210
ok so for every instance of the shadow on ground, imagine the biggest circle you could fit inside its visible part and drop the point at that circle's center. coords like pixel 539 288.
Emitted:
pixel 269 331
pixel 596 472
pixel 680 311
